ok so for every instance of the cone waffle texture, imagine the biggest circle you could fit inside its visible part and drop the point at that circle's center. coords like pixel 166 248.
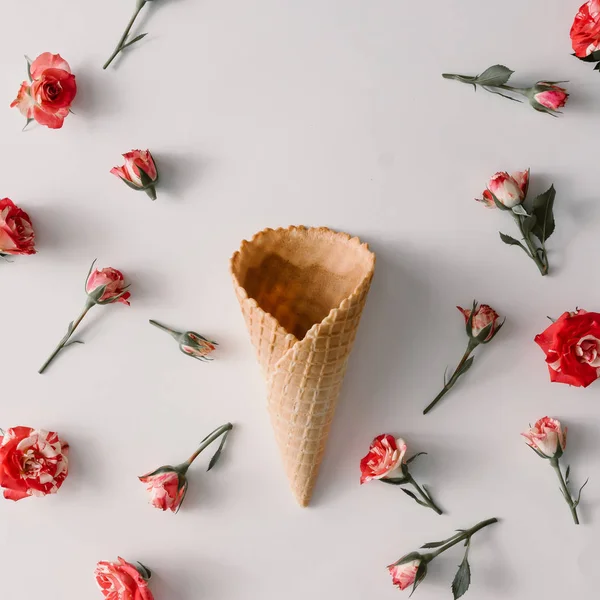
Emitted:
pixel 302 291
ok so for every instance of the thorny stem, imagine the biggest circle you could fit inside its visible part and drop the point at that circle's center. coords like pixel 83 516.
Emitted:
pixel 72 327
pixel 121 43
pixel 216 434
pixel 565 490
pixel 465 535
pixel 424 495
pixel 455 375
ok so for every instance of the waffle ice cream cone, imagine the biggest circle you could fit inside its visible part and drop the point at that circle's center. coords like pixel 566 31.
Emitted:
pixel 302 292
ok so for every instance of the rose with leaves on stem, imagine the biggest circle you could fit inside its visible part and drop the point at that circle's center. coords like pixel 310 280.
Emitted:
pixel 411 569
pixel 190 343
pixel 548 440
pixel 139 172
pixel 544 96
pixel 168 485
pixel 123 581
pixel 16 232
pixel 102 286
pixel 585 33
pixel 124 41
pixel 482 324
pixel 386 461
pixel 508 192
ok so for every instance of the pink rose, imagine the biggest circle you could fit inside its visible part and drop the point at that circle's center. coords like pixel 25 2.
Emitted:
pixel 509 190
pixel 114 282
pixel 483 317
pixel 549 96
pixel 139 171
pixel 547 437
pixel 385 456
pixel 16 232
pixel 167 489
pixel 52 90
pixel 33 462
pixel 404 574
pixel 122 581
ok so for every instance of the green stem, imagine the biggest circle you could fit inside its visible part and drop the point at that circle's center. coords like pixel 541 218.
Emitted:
pixel 565 490
pixel 175 334
pixel 509 88
pixel 425 496
pixel 455 375
pixel 542 265
pixel 216 434
pixel 465 535
pixel 121 43
pixel 72 327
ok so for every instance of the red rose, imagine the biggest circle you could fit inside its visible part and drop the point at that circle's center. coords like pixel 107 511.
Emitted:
pixel 572 347
pixel 166 488
pixel 16 232
pixel 139 171
pixel 585 32
pixel 32 463
pixel 48 99
pixel 122 581
pixel 385 456
pixel 114 282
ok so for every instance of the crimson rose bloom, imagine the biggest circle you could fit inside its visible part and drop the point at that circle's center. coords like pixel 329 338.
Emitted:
pixel 52 90
pixel 122 581
pixel 572 347
pixel 16 232
pixel 33 462
pixel 385 455
pixel 585 32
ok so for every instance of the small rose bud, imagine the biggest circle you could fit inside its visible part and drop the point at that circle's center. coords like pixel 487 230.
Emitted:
pixel 547 438
pixel 404 572
pixel 190 343
pixel 385 455
pixel 105 286
pixel 547 97
pixel 485 322
pixel 139 172
pixel 509 190
pixel 167 488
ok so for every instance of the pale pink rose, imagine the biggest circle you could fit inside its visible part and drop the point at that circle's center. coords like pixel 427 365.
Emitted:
pixel 24 102
pixel 114 281
pixel 547 437
pixel 166 489
pixel 509 190
pixel 404 575
pixel 484 315
pixel 385 456
pixel 121 581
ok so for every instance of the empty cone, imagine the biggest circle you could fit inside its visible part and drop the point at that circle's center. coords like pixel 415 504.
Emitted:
pixel 302 292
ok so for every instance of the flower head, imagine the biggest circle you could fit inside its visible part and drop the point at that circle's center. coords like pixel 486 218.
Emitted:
pixel 139 171
pixel 167 488
pixel 547 97
pixel 190 343
pixel 508 190
pixel 547 438
pixel 410 570
pixel 33 462
pixel 113 283
pixel 16 232
pixel 484 324
pixel 122 581
pixel 385 455
pixel 585 31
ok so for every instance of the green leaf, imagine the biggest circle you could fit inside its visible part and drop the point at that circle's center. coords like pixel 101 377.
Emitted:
pixel 409 493
pixel 462 579
pixel 217 454
pixel 394 480
pixel 579 494
pixel 415 456
pixel 420 575
pixel 492 91
pixel 134 40
pixel 529 223
pixel 438 544
pixel 28 67
pixel 466 366
pixel 519 210
pixel 568 472
pixel 494 76
pixel 26 124
pixel 507 239
pixel 543 210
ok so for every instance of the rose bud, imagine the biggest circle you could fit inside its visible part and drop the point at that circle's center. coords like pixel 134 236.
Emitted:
pixel 385 455
pixel 16 232
pixel 190 343
pixel 49 97
pixel 547 438
pixel 105 286
pixel 508 190
pixel 123 581
pixel 139 172
pixel 547 97
pixel 33 462
pixel 167 485
pixel 409 570
pixel 484 324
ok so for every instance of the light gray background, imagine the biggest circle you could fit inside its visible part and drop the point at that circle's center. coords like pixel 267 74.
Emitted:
pixel 278 112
